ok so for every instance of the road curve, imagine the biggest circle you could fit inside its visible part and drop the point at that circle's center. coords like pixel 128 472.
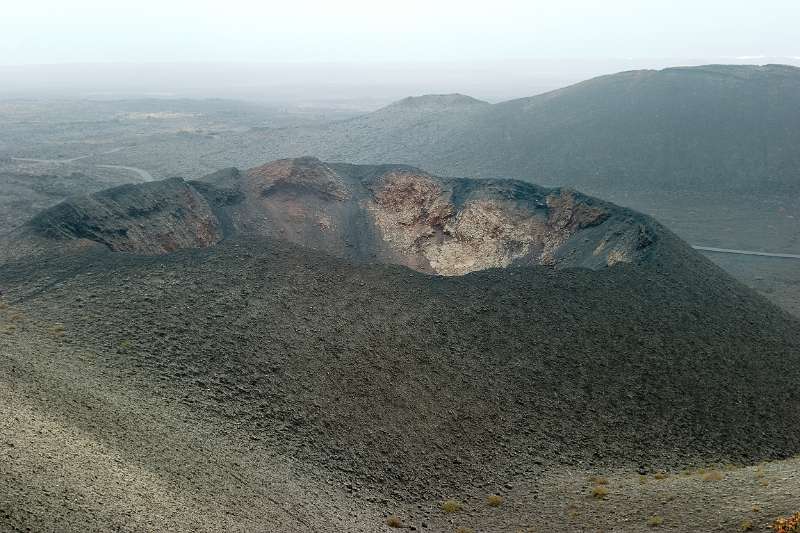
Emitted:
pixel 745 252
pixel 145 175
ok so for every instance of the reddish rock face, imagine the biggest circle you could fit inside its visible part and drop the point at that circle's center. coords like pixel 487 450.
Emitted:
pixel 388 214
pixel 304 175
pixel 417 215
pixel 414 198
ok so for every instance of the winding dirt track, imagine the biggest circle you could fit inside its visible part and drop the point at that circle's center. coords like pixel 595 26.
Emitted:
pixel 145 175
pixel 142 173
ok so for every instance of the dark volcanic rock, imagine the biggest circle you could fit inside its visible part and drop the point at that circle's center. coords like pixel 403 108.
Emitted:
pixel 151 218
pixel 426 384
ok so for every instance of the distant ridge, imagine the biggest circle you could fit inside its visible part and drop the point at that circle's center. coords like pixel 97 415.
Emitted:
pixel 713 128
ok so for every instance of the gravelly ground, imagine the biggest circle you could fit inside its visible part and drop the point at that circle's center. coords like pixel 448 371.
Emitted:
pixel 88 449
pixel 298 392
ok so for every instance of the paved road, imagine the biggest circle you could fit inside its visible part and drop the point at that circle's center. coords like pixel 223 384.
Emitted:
pixel 745 252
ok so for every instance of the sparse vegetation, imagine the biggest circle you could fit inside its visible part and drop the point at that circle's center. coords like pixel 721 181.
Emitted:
pixel 747 525
pixel 655 521
pixel 451 506
pixel 661 475
pixel 599 492
pixel 394 521
pixel 787 525
pixel 712 475
pixel 464 530
pixel 494 500
pixel 599 480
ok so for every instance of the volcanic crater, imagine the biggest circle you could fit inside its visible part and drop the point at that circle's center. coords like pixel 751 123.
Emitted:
pixel 388 214
pixel 383 329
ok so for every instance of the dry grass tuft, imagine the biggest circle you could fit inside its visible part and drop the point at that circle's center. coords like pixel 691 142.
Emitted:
pixel 661 475
pixel 451 506
pixel 787 525
pixel 464 530
pixel 655 521
pixel 599 480
pixel 394 521
pixel 494 500
pixel 712 475
pixel 747 525
pixel 599 492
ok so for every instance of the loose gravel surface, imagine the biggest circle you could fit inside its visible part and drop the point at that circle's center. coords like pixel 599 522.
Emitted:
pixel 259 386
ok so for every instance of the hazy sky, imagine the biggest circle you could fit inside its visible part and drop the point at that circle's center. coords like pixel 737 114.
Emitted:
pixel 87 31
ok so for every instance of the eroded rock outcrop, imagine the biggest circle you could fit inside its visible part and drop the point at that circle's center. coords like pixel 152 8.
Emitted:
pixel 391 213
pixel 150 218
pixel 458 228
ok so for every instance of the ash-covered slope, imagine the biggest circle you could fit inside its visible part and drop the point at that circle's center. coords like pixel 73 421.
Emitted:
pixel 419 386
pixel 24 195
pixel 154 217
pixel 387 214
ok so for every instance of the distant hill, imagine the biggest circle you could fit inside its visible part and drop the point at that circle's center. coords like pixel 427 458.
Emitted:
pixel 437 102
pixel 710 128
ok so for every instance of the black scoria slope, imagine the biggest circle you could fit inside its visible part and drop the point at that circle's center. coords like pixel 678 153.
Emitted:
pixel 421 383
